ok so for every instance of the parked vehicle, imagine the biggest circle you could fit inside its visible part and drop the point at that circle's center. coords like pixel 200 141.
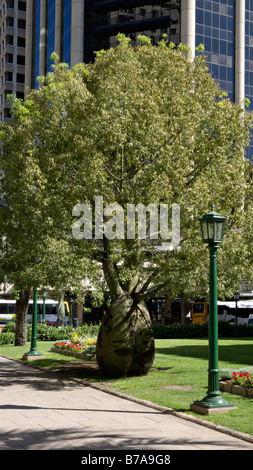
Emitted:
pixel 227 311
pixel 8 311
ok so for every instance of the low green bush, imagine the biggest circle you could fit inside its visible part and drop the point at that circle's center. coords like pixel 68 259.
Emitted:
pixel 52 333
pixel 9 327
pixel 7 338
pixel 195 330
pixel 177 330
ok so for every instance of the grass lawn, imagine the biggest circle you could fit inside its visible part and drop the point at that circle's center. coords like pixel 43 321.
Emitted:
pixel 179 375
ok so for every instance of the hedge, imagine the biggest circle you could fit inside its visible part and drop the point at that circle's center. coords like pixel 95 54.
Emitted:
pixel 196 330
pixel 7 338
pixel 50 333
pixel 175 330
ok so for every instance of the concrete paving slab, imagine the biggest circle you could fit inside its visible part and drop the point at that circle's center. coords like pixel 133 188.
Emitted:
pixel 41 412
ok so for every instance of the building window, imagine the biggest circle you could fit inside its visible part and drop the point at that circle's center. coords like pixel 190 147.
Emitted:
pixel 9 58
pixel 20 78
pixel 22 6
pixel 20 60
pixel 9 40
pixel 21 42
pixel 10 22
pixel 8 76
pixel 20 95
pixel 21 24
pixel 7 113
pixel 10 4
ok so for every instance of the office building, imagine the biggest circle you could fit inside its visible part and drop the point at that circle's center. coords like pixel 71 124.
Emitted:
pixel 77 28
pixel 12 52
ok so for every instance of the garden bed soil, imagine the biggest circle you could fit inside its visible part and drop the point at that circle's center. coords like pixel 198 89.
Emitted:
pixel 227 386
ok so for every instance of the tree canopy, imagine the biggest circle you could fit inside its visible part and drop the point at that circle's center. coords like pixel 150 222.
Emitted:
pixel 142 125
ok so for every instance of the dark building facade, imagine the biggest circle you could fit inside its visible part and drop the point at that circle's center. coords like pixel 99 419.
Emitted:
pixel 76 28
pixel 105 19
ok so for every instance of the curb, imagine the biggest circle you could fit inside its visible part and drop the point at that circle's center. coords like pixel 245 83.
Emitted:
pixel 163 409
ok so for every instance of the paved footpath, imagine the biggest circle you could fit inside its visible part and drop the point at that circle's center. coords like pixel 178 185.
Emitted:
pixel 43 411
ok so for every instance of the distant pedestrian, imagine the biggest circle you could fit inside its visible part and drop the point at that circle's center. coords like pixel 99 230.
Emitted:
pixel 153 317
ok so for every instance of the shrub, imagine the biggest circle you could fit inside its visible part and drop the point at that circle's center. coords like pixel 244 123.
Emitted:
pixel 7 338
pixel 52 333
pixel 196 330
pixel 9 327
pixel 177 330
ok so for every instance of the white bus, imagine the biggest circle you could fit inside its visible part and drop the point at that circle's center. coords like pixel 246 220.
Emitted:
pixel 8 311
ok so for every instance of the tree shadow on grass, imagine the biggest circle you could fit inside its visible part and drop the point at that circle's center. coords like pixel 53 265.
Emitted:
pixel 233 353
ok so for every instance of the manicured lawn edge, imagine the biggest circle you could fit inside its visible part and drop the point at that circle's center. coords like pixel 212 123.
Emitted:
pixel 163 409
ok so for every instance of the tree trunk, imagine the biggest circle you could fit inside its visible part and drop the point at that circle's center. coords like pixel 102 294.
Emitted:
pixel 21 317
pixel 125 344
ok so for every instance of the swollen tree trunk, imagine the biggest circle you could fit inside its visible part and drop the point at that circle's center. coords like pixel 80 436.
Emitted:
pixel 21 317
pixel 125 344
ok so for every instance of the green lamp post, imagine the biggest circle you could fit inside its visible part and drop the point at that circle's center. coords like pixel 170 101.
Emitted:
pixel 212 226
pixel 71 311
pixel 33 353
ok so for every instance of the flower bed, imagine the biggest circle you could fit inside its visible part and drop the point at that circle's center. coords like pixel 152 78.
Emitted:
pixel 240 384
pixel 246 380
pixel 69 348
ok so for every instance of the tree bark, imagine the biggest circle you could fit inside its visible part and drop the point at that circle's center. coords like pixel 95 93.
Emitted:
pixel 21 317
pixel 125 344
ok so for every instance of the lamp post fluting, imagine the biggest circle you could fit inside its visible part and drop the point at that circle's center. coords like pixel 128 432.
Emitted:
pixel 212 225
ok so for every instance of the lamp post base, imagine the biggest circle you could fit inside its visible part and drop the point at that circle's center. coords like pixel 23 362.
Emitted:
pixel 32 355
pixel 212 405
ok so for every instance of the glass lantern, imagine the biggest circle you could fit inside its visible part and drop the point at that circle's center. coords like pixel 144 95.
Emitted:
pixel 212 226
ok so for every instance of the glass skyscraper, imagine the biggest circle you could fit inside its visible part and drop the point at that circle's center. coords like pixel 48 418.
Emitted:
pixel 77 28
pixel 66 46
pixel 215 28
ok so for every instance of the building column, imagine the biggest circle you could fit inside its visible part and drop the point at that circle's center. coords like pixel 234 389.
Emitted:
pixel 29 45
pixel 188 22
pixel 43 37
pixel 77 32
pixel 239 52
pixel 57 40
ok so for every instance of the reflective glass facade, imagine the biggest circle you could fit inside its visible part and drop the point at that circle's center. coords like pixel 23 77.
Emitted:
pixel 150 18
pixel 51 31
pixel 66 46
pixel 215 28
pixel 249 51
pixel 104 19
pixel 249 61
